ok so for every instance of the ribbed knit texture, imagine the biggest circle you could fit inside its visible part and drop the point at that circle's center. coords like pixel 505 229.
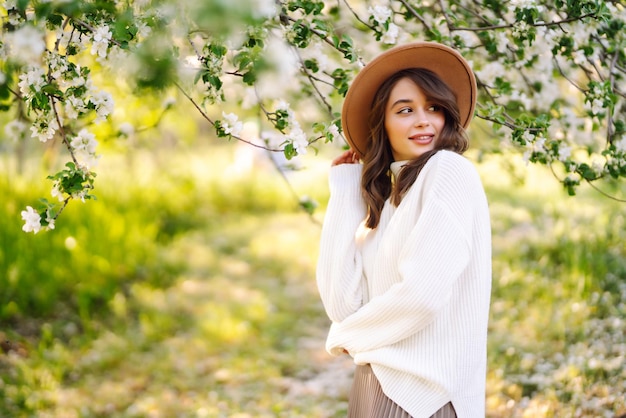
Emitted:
pixel 367 399
pixel 411 297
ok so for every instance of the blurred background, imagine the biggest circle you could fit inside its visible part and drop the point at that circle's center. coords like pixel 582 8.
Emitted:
pixel 187 289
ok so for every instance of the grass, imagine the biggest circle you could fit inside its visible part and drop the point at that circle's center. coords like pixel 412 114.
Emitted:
pixel 187 289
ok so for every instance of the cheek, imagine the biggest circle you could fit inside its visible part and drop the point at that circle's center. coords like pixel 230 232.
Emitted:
pixel 394 125
pixel 389 127
pixel 439 122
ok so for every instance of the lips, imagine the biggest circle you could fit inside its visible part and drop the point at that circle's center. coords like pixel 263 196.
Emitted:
pixel 422 138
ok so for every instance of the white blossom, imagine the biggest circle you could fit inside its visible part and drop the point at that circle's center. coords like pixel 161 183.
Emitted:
pixel 49 220
pixel 16 129
pixel 540 143
pixel 581 33
pixel 470 39
pixel 391 36
pixel 141 3
pixel 26 44
pixel 528 138
pixel 103 101
pixel 520 28
pixel 100 41
pixel 597 166
pixel 579 57
pixel 333 131
pixel 84 141
pixel 596 106
pixel 84 145
pixel 58 65
pixel 299 140
pixel 524 4
pixel 15 19
pixel 620 145
pixel 169 102
pixel 32 220
pixel 574 178
pixel 33 80
pixel 291 117
pixel 56 192
pixel 502 42
pixel 250 98
pixel 63 36
pixel 127 128
pixel 43 129
pixel 522 98
pixel 231 124
pixel 265 8
pixel 283 105
pixel 143 30
pixel 317 53
pixel 380 13
pixel 10 4
pixel 75 80
pixel 564 152
pixel 74 107
pixel 490 72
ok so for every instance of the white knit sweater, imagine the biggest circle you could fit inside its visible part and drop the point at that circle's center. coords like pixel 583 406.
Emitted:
pixel 411 297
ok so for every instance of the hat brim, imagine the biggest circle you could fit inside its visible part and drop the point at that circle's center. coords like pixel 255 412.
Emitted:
pixel 442 60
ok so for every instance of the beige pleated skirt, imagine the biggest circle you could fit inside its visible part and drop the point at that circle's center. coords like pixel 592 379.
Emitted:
pixel 367 399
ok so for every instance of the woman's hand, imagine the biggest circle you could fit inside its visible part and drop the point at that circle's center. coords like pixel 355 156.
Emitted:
pixel 347 157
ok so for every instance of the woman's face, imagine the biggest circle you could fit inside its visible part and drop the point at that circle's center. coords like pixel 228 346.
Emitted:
pixel 413 123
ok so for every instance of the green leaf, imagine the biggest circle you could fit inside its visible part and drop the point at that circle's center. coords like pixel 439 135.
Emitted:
pixel 308 205
pixel 311 64
pixel 55 19
pixel 52 89
pixel 22 5
pixel 322 26
pixel 250 77
pixel 290 151
pixel 217 50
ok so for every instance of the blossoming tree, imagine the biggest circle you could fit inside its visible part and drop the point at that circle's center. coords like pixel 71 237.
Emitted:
pixel 551 74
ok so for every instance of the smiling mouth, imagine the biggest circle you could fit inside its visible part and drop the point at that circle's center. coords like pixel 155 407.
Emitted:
pixel 422 139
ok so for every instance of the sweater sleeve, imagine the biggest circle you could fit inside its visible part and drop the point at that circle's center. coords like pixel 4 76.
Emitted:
pixel 431 260
pixel 339 267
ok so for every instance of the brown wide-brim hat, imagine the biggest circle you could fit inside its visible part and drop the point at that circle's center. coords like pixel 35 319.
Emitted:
pixel 442 60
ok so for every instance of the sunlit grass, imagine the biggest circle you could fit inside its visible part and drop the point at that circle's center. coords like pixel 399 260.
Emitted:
pixel 187 289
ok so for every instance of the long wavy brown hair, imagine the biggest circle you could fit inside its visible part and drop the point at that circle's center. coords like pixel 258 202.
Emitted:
pixel 376 181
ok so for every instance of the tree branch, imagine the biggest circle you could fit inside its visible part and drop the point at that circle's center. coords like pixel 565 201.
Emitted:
pixel 208 119
pixel 415 14
pixel 357 17
pixel 610 129
pixel 603 193
pixel 309 77
pixel 510 25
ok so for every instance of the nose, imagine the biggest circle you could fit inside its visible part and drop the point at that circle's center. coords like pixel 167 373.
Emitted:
pixel 421 120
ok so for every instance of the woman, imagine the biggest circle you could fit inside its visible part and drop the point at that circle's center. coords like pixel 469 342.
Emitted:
pixel 405 256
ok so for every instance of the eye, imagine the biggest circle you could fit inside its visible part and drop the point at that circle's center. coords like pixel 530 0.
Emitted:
pixel 435 108
pixel 404 110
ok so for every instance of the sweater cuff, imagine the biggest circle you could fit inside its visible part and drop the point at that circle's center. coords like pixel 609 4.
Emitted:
pixel 345 179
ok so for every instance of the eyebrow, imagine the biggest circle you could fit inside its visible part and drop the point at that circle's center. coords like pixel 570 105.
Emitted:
pixel 400 101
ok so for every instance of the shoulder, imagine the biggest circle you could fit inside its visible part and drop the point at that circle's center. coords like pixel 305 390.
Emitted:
pixel 449 175
pixel 346 179
pixel 450 160
pixel 448 166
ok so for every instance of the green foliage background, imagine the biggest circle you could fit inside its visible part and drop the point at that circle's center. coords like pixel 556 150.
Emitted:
pixel 187 288
pixel 190 292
